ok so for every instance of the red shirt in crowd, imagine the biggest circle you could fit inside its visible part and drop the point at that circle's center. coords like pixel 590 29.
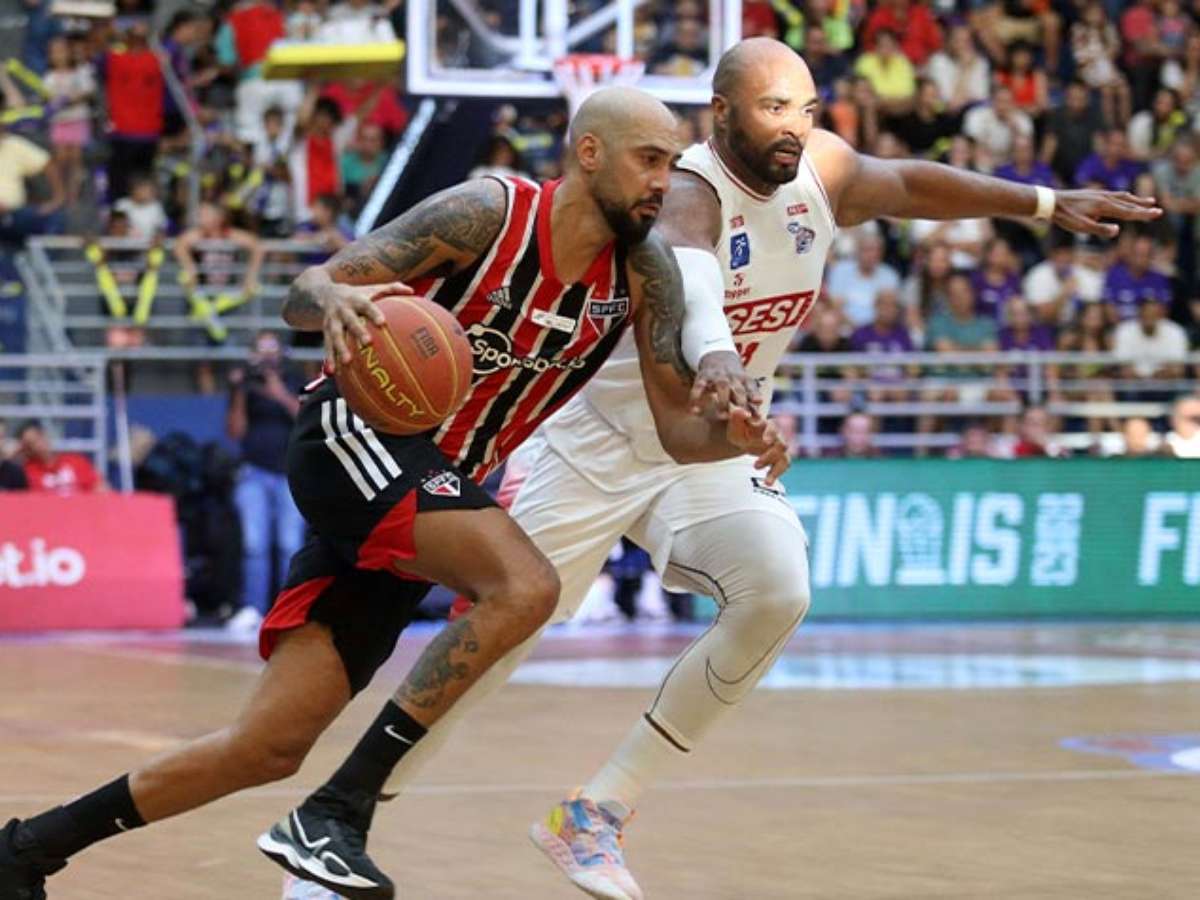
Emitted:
pixel 918 31
pixel 387 112
pixel 134 84
pixel 255 27
pixel 322 167
pixel 65 473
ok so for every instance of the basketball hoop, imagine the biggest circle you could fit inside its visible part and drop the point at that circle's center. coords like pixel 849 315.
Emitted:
pixel 579 75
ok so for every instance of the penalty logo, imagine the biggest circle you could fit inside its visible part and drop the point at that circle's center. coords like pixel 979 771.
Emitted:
pixel 444 484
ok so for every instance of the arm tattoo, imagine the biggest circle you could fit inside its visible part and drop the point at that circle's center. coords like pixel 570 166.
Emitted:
pixel 435 669
pixel 662 292
pixel 301 309
pixel 442 229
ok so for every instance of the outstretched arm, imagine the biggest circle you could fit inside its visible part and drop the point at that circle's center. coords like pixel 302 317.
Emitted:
pixel 863 187
pixel 658 327
pixel 441 235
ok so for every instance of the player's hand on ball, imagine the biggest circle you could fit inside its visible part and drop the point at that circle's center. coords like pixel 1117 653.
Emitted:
pixel 347 310
pixel 1082 211
pixel 721 383
pixel 760 437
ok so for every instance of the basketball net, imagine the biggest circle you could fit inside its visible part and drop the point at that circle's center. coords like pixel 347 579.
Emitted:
pixel 580 75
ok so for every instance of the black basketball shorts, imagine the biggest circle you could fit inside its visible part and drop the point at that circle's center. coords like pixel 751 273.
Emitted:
pixel 359 491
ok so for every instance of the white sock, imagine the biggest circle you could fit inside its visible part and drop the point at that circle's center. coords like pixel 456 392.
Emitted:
pixel 638 761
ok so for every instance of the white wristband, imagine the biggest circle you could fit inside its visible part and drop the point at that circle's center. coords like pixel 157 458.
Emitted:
pixel 1046 202
pixel 705 328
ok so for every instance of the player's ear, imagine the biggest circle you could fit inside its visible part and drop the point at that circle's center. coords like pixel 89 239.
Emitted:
pixel 720 110
pixel 589 152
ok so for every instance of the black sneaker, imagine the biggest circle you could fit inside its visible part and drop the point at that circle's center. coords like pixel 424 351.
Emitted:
pixel 326 843
pixel 23 865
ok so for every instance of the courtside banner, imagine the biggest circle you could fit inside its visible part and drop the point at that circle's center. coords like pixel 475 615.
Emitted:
pixel 992 539
pixel 89 561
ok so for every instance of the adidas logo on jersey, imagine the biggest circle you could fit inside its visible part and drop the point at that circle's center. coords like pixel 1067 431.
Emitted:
pixel 499 297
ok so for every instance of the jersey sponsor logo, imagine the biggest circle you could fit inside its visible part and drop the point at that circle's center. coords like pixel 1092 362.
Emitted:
pixel 740 289
pixel 493 351
pixel 760 486
pixel 739 250
pixel 500 297
pixel 443 484
pixel 804 236
pixel 797 209
pixel 769 314
pixel 547 319
pixel 604 313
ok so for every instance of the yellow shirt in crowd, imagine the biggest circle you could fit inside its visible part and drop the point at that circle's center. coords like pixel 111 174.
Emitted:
pixel 19 159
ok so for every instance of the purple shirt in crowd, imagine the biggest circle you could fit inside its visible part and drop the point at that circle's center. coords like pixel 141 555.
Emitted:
pixel 990 298
pixel 1040 338
pixel 1118 178
pixel 868 339
pixel 1123 290
pixel 1040 174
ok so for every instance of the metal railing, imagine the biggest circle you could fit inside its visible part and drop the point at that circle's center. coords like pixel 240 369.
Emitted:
pixel 66 393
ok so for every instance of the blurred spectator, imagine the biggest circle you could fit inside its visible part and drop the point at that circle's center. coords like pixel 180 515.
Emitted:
pixel 965 238
pixel 1183 440
pixel 12 474
pixel 998 280
pixel 147 219
pixel 1023 332
pixel 182 36
pixel 262 407
pixel 274 142
pixel 375 103
pixel 1141 53
pixel 961 327
pixel 886 334
pixel 363 161
pixel 826 64
pixel 1090 333
pixel 41 27
pixel 858 438
pixel 1070 132
pixel 961 72
pixel 1130 281
pixel 1034 435
pixel 1095 45
pixel 826 337
pixel 304 21
pixel 997 124
pixel 1002 22
pixel 853 285
pixel 889 73
pixel 686 52
pixel 975 442
pixel 1056 287
pixel 1028 84
pixel 71 88
pixel 925 130
pixel 243 40
pixel 205 263
pixel 356 22
pixel 60 473
pixel 1152 131
pixel 926 289
pixel 916 29
pixel 323 137
pixel 500 158
pixel 1139 439
pixel 134 88
pixel 1111 167
pixel 20 161
pixel 1178 181
pixel 834 17
pixel 1025 167
pixel 325 229
pixel 1173 28
pixel 1150 346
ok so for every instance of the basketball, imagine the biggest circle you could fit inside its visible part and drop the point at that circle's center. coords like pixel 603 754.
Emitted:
pixel 414 374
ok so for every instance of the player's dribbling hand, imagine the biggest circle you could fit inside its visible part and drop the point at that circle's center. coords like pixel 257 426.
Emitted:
pixel 1082 211
pixel 720 383
pixel 347 310
pixel 760 437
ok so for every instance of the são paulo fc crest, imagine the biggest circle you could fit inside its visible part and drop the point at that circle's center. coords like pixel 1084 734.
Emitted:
pixel 606 312
pixel 804 236
pixel 443 484
pixel 739 250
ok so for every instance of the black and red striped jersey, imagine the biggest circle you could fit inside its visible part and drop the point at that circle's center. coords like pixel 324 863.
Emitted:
pixel 536 341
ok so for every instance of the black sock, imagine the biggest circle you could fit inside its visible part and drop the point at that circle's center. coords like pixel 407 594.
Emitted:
pixel 65 830
pixel 362 776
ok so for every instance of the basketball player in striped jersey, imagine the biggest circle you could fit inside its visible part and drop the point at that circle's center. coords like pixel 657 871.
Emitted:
pixel 546 281
pixel 751 215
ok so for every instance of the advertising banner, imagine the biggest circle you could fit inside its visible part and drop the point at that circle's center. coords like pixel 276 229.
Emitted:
pixel 989 538
pixel 89 561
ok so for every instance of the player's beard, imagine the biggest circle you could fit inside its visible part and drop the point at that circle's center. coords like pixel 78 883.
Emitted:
pixel 762 162
pixel 626 224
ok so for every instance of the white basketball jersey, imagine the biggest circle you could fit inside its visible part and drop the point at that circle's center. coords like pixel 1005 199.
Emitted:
pixel 772 252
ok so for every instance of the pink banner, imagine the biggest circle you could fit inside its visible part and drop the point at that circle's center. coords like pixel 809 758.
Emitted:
pixel 89 561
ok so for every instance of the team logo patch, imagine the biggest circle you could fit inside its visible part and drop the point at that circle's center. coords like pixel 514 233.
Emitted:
pixel 804 236
pixel 603 314
pixel 797 209
pixel 739 250
pixel 443 484
pixel 499 297
pixel 760 486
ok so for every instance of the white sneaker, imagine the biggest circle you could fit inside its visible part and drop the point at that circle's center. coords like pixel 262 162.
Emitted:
pixel 297 889
pixel 245 621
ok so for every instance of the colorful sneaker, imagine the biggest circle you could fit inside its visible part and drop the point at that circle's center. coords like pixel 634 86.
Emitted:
pixel 584 840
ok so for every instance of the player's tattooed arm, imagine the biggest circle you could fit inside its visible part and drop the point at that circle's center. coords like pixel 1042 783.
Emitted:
pixel 441 235
pixel 659 285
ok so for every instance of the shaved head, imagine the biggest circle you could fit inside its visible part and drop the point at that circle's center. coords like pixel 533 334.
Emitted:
pixel 764 102
pixel 622 142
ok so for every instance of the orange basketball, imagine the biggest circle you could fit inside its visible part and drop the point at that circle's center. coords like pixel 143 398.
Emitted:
pixel 414 374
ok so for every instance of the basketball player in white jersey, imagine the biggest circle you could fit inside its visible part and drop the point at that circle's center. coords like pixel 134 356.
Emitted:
pixel 751 214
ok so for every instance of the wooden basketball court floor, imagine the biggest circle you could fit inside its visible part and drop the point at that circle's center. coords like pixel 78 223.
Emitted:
pixel 1009 761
